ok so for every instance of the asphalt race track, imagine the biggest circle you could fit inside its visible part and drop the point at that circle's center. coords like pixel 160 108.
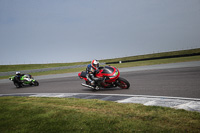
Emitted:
pixel 173 82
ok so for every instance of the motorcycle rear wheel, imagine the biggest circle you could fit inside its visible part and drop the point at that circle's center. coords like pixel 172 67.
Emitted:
pixel 123 83
pixel 18 85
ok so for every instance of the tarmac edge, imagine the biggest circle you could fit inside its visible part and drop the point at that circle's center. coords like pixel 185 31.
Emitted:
pixel 189 104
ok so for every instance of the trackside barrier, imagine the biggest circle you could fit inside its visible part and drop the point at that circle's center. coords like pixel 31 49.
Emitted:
pixel 155 58
pixel 44 69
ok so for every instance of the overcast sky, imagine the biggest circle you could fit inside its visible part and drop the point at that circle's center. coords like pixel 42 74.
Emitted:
pixel 46 31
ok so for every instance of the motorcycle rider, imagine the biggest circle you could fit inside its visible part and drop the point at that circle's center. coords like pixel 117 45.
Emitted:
pixel 91 70
pixel 18 77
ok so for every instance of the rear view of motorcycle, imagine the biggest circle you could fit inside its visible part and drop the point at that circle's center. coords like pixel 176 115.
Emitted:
pixel 108 77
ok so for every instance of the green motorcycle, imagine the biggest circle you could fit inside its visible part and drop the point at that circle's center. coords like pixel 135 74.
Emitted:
pixel 25 80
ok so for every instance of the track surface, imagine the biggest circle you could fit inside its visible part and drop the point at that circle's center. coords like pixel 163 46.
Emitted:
pixel 175 82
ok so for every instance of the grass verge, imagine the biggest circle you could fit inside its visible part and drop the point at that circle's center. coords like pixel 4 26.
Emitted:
pixel 155 55
pixel 130 64
pixel 6 68
pixel 158 61
pixel 30 114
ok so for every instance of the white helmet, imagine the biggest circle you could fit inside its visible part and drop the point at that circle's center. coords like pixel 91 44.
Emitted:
pixel 18 73
pixel 95 64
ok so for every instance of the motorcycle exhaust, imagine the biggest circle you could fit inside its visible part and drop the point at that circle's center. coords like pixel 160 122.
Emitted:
pixel 87 86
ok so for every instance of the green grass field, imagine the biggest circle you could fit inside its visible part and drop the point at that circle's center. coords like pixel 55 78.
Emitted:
pixel 33 115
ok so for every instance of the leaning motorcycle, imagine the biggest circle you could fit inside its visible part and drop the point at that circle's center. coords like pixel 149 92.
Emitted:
pixel 25 80
pixel 108 77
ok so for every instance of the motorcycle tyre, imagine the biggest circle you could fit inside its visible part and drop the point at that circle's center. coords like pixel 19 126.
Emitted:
pixel 122 82
pixel 17 85
pixel 36 83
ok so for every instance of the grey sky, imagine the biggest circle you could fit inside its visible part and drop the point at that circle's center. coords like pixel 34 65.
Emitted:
pixel 46 31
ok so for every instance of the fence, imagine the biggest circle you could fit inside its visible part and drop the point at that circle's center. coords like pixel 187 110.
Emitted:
pixel 155 58
pixel 44 69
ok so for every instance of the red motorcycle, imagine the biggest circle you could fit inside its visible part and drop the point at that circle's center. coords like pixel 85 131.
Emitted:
pixel 107 76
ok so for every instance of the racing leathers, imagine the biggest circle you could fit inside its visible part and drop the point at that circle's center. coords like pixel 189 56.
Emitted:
pixel 90 72
pixel 18 77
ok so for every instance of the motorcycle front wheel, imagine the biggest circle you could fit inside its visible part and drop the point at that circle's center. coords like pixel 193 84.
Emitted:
pixel 36 83
pixel 123 83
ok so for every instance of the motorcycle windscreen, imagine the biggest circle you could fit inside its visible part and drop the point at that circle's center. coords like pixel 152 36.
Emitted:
pixel 108 70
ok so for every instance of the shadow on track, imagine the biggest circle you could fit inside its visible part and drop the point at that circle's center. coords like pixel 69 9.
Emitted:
pixel 101 89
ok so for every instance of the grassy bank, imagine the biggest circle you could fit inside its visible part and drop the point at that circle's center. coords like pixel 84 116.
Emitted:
pixel 130 64
pixel 29 114
pixel 172 53
pixel 156 62
pixel 6 68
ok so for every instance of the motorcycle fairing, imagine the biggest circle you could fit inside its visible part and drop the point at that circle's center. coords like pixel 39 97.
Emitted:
pixel 110 72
